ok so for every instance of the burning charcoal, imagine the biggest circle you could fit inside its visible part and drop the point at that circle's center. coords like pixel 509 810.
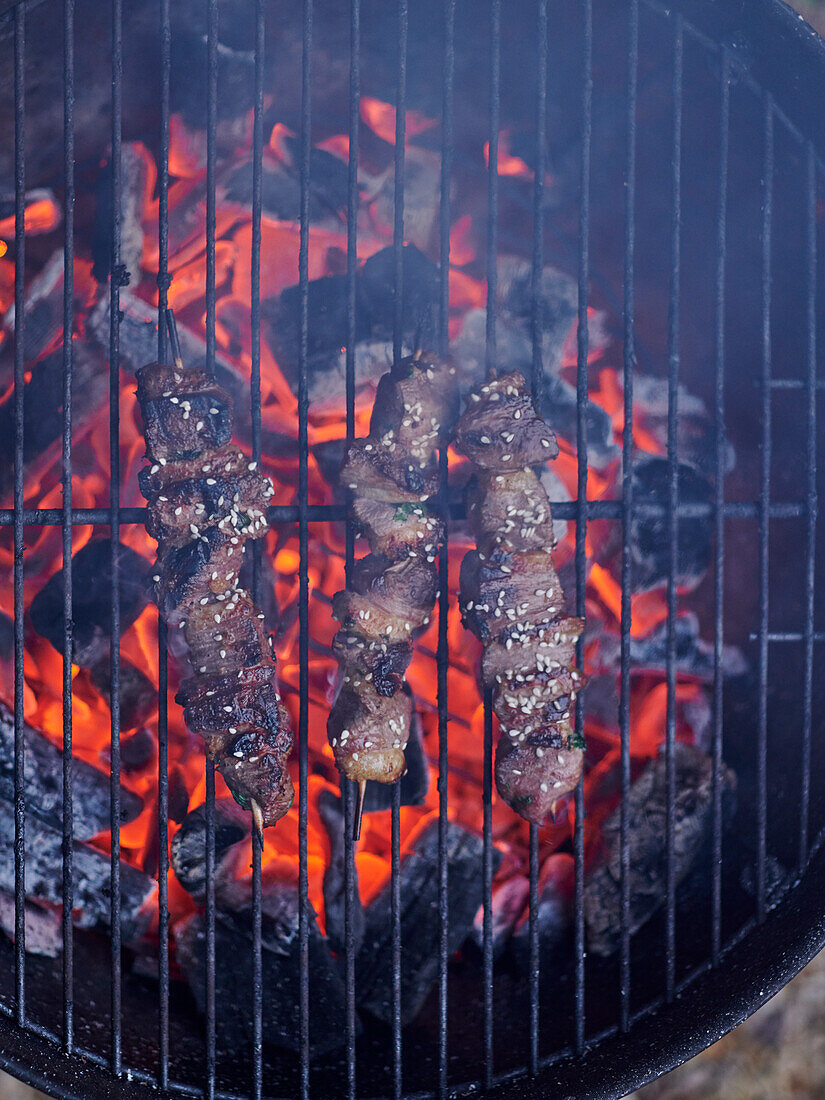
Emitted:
pixel 92 875
pixel 375 307
pixel 649 530
pixel 189 846
pixel 510 899
pixel 647 808
pixel 44 316
pixel 420 921
pixel 178 796
pixel 137 692
pixel 44 935
pixel 281 973
pixel 44 784
pixel 413 782
pixel 694 656
pixel 43 407
pixel 559 407
pixel 335 899
pixel 91 592
pixel 555 911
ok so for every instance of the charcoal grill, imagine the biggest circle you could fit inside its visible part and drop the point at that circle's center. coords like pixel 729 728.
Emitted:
pixel 693 152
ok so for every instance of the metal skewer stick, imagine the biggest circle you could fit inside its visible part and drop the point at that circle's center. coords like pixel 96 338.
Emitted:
pixel 359 810
pixel 174 341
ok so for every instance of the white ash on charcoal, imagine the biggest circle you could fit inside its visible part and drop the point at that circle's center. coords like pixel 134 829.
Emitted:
pixel 188 850
pixel 133 182
pixel 695 430
pixel 43 776
pixel 420 921
pixel 335 895
pixel 281 971
pixel 422 186
pixel 43 408
pixel 44 931
pixel 92 876
pixel 554 914
pixel 91 594
pixel 647 816
pixel 138 695
pixel 374 313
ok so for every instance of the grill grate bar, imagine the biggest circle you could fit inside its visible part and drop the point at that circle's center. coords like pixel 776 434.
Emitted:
pixel 627 502
pixel 163 669
pixel 719 581
pixel 397 351
pixel 66 533
pixel 583 511
pixel 347 788
pixel 19 429
pixel 443 551
pixel 537 384
pixel 115 274
pixel 807 689
pixel 323 513
pixel 211 204
pixel 673 341
pixel 490 358
pixel 255 415
pixel 303 542
pixel 764 523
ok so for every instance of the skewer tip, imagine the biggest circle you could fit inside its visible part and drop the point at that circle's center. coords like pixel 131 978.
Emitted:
pixel 258 818
pixel 359 810
pixel 174 341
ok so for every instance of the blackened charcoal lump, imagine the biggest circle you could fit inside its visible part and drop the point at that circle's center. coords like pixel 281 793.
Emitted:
pixel 231 826
pixel 43 405
pixel 374 310
pixel 693 657
pixel 420 921
pixel 647 810
pixel 91 595
pixel 281 973
pixel 649 538
pixel 138 696
pixel 43 776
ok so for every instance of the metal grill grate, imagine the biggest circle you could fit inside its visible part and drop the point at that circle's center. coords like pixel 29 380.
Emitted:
pixel 764 511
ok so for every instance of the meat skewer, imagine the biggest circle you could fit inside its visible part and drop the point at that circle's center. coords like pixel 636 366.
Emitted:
pixel 205 500
pixel 512 601
pixel 392 472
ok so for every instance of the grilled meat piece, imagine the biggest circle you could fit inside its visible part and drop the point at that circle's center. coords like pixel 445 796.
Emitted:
pixel 205 500
pixel 500 429
pixel 185 412
pixel 393 588
pixel 415 407
pixel 511 599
